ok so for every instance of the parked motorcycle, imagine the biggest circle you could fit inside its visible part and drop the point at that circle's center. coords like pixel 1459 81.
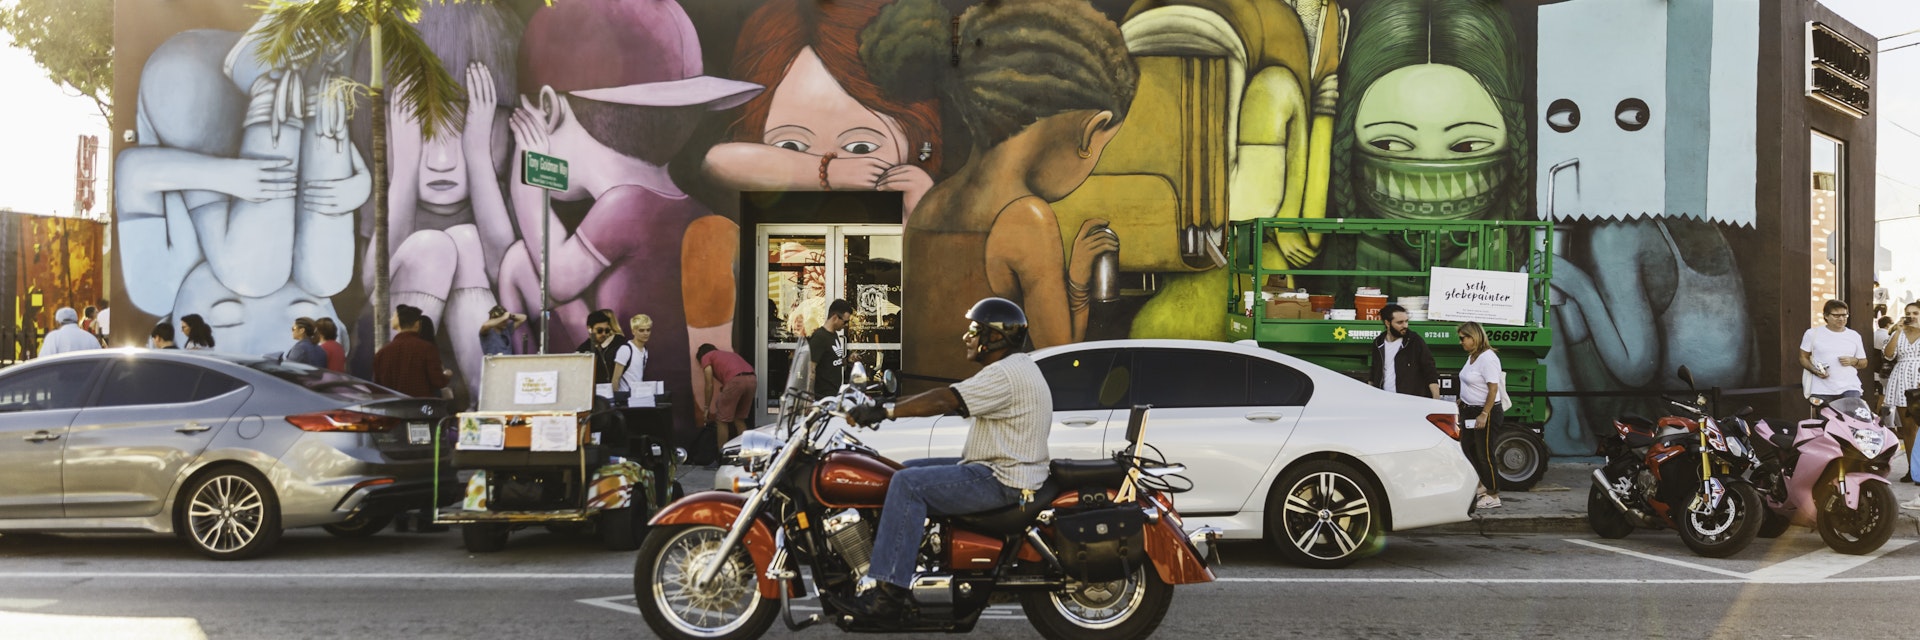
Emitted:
pixel 1830 472
pixel 1095 554
pixel 1687 472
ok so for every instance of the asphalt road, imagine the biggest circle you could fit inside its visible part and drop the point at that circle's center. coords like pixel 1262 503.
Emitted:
pixel 552 586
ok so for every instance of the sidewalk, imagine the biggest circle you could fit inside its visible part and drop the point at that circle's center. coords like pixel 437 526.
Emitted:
pixel 1559 505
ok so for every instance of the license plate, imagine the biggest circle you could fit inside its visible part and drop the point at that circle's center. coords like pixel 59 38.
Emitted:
pixel 419 433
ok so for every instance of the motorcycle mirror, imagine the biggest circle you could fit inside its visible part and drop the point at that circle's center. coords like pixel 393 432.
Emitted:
pixel 1743 412
pixel 859 374
pixel 1686 376
pixel 888 380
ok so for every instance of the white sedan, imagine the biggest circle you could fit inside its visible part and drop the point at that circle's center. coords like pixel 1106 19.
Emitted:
pixel 1276 447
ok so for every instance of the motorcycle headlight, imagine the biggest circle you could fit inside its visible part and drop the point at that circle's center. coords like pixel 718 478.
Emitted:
pixel 1869 442
pixel 751 446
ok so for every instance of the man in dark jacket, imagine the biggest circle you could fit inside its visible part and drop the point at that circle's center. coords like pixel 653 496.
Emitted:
pixel 409 364
pixel 1409 363
pixel 604 344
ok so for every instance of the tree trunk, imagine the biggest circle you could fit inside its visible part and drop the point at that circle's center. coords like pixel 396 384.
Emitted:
pixel 382 304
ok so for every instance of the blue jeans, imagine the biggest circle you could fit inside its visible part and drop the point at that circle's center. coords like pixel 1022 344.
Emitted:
pixel 928 486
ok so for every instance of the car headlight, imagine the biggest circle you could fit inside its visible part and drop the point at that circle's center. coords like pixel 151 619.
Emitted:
pixel 1869 442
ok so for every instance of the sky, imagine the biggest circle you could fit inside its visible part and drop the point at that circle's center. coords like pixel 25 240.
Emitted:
pixel 42 123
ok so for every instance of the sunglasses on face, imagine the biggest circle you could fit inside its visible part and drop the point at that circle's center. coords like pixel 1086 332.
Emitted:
pixel 601 330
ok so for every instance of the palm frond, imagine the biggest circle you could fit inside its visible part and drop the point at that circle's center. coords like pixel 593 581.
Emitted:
pixel 293 29
pixel 419 80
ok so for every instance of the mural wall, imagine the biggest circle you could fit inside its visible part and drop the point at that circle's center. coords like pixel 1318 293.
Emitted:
pixel 1030 140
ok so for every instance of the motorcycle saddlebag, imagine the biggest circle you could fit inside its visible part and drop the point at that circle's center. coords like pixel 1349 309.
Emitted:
pixel 1101 544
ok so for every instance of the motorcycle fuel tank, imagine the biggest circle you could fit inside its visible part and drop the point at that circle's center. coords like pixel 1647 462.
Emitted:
pixel 848 479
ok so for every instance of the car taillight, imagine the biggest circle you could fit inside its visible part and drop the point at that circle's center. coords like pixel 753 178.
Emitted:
pixel 341 420
pixel 1448 423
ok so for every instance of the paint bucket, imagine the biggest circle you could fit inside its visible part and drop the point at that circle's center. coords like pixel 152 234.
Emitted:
pixel 1367 307
pixel 1340 314
pixel 1413 303
pixel 1321 304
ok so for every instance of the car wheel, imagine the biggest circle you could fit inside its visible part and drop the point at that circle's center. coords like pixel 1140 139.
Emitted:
pixel 484 537
pixel 230 513
pixel 1325 515
pixel 1519 458
pixel 360 525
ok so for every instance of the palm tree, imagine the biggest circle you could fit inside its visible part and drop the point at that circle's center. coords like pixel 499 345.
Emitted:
pixel 292 30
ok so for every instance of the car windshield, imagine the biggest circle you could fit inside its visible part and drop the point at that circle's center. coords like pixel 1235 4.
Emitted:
pixel 338 386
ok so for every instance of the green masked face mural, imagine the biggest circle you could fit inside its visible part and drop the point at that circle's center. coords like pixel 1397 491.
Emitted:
pixel 1430 139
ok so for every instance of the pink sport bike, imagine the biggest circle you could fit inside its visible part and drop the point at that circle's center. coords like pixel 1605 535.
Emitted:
pixel 1830 473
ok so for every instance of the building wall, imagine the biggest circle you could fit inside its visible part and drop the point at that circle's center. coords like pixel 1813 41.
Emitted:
pixel 1014 132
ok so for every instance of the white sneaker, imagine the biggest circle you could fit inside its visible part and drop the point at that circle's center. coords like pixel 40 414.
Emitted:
pixel 1490 501
pixel 1911 504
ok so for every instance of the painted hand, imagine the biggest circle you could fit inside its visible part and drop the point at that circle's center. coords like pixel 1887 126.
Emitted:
pixel 529 128
pixel 903 177
pixel 258 180
pixel 1297 248
pixel 335 197
pixel 1092 242
pixel 859 172
pixel 482 103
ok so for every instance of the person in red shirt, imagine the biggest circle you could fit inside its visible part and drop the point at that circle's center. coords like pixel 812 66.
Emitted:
pixel 330 343
pixel 409 363
pixel 730 386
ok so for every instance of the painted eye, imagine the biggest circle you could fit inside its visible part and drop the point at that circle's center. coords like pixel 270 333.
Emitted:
pixel 1470 146
pixel 226 313
pixel 1632 114
pixel 791 145
pixel 1390 144
pixel 860 148
pixel 1563 115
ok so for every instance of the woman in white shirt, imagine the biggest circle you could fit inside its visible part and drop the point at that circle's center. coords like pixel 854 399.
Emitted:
pixel 1480 409
pixel 630 366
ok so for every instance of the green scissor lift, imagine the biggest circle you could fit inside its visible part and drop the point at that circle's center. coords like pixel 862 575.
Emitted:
pixel 1346 345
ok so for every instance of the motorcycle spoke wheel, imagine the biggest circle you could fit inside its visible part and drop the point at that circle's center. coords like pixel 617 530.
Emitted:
pixel 1101 605
pixel 726 605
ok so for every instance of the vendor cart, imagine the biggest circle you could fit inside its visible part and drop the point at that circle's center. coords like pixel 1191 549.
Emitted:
pixel 544 450
pixel 1257 312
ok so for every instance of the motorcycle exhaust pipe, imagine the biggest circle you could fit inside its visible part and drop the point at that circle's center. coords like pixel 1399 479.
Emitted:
pixel 1600 482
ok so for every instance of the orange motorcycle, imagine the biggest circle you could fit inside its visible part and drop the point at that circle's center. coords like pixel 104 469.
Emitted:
pixel 1095 554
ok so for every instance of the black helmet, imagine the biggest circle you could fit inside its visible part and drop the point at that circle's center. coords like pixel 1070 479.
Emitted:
pixel 1001 316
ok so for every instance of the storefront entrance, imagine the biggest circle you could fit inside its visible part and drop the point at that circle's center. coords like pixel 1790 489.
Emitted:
pixel 803 268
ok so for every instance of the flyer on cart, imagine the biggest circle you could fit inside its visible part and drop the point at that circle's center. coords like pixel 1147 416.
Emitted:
pixel 536 387
pixel 554 433
pixel 482 433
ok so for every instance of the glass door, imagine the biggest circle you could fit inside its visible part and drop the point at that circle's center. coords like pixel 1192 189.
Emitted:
pixel 1828 275
pixel 802 269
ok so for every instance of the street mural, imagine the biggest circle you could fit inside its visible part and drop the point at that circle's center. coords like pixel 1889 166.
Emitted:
pixel 1032 141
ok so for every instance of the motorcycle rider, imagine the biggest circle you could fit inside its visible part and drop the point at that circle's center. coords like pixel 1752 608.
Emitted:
pixel 1004 460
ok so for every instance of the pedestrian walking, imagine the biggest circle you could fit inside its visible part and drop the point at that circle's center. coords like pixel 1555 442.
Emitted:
pixel 604 343
pixel 161 337
pixel 1401 362
pixel 1482 406
pixel 101 325
pixel 827 349
pixel 630 366
pixel 198 334
pixel 730 385
pixel 306 345
pixel 1904 351
pixel 69 337
pixel 330 343
pixel 1832 356
pixel 409 363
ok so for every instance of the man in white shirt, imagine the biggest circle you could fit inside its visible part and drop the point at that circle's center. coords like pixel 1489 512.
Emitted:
pixel 69 337
pixel 1832 356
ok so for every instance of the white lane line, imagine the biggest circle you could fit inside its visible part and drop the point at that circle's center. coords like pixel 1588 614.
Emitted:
pixel 625 604
pixel 17 604
pixel 41 575
pixel 1671 561
pixel 1490 580
pixel 40 626
pixel 1821 564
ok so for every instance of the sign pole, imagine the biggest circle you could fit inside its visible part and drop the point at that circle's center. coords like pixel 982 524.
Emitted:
pixel 546 261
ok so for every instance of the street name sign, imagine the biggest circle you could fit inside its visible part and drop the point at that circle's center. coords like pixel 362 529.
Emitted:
pixel 544 171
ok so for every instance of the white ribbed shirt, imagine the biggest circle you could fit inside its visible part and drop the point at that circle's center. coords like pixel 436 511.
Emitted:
pixel 1012 412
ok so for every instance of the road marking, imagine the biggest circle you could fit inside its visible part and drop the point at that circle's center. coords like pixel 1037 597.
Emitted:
pixel 17 604
pixel 41 575
pixel 1817 567
pixel 40 626
pixel 1649 556
pixel 1821 564
pixel 626 604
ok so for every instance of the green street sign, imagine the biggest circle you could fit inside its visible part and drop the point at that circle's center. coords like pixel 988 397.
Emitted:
pixel 544 171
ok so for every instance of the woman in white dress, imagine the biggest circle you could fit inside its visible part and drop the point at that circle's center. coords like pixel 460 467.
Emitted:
pixel 1903 348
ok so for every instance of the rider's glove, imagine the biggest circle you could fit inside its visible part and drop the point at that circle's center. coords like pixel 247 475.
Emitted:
pixel 867 415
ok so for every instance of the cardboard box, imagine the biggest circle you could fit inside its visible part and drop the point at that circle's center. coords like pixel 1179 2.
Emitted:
pixel 1290 309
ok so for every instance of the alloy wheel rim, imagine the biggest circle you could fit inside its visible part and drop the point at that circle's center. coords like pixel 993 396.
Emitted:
pixel 1327 511
pixel 226 514
pixel 724 606
pixel 1101 605
pixel 1853 524
pixel 1721 522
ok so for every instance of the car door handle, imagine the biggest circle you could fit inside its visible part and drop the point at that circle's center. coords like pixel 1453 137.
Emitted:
pixel 192 427
pixel 43 436
pixel 1079 422
pixel 1263 416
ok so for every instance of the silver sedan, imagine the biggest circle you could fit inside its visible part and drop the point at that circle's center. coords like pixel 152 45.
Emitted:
pixel 224 450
